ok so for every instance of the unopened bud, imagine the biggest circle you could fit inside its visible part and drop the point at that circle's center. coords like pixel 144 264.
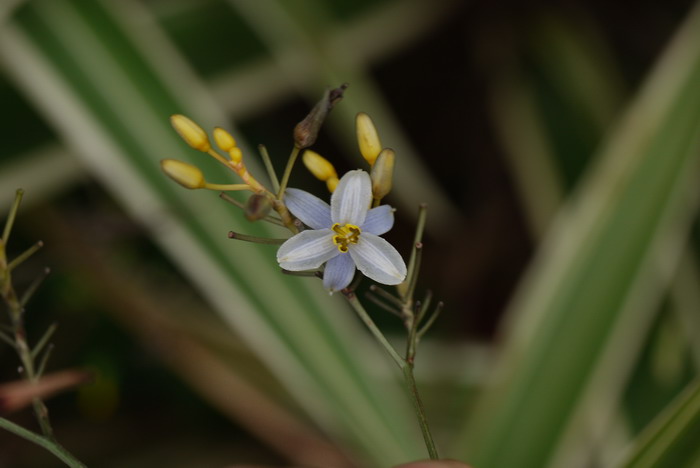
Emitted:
pixel 383 173
pixel 257 207
pixel 319 166
pixel 306 131
pixel 367 138
pixel 224 139
pixel 331 184
pixel 184 174
pixel 236 154
pixel 193 134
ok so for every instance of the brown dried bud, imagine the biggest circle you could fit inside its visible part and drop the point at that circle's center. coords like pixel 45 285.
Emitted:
pixel 306 131
pixel 257 207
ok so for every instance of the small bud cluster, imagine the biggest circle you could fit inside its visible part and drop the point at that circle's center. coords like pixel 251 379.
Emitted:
pixel 261 201
pixel 381 160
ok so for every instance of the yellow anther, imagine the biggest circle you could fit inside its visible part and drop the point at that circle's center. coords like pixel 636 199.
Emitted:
pixel 367 138
pixel 192 133
pixel 184 174
pixel 319 166
pixel 224 139
pixel 383 173
pixel 346 235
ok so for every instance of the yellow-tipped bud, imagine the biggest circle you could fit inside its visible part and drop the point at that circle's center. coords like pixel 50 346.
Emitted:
pixel 383 173
pixel 236 154
pixel 193 134
pixel 184 174
pixel 319 166
pixel 367 138
pixel 224 139
pixel 331 184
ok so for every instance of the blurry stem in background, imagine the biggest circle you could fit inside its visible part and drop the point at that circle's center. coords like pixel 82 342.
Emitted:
pixel 49 444
pixel 24 351
pixel 15 309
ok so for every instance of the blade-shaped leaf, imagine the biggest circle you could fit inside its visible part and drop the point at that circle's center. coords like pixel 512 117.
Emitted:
pixel 671 440
pixel 585 306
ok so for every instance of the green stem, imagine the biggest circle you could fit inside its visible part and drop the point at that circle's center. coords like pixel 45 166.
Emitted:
pixel 288 171
pixel 24 256
pixel 255 239
pixel 405 366
pixel 270 169
pixel 364 316
pixel 420 411
pixel 11 217
pixel 52 446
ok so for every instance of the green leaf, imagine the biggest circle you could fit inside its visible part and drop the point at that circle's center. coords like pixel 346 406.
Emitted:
pixel 586 304
pixel 670 440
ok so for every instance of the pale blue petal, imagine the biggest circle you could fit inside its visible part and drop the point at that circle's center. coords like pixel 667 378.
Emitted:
pixel 379 220
pixel 378 260
pixel 351 199
pixel 310 209
pixel 307 250
pixel 338 273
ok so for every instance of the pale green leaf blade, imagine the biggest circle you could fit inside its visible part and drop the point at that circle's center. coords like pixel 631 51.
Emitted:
pixel 600 272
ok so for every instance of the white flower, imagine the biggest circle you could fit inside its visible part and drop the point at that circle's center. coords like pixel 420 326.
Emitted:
pixel 343 235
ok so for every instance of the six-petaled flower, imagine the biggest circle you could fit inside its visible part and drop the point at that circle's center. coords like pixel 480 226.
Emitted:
pixel 344 235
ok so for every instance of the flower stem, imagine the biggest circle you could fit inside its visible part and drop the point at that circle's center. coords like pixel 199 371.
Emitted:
pixel 255 239
pixel 364 316
pixel 288 171
pixel 420 411
pixel 51 445
pixel 11 217
pixel 270 169
pixel 230 187
pixel 406 367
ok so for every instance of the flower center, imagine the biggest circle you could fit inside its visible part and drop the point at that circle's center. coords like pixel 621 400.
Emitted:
pixel 346 234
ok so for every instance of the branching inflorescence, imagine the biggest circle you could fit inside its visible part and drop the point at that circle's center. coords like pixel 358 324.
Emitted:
pixel 330 241
pixel 33 359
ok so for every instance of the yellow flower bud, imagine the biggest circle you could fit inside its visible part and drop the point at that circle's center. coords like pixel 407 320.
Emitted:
pixel 383 173
pixel 224 139
pixel 319 166
pixel 332 183
pixel 236 154
pixel 192 133
pixel 367 138
pixel 184 174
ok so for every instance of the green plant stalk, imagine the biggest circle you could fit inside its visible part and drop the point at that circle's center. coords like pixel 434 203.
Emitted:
pixel 25 353
pixel 269 168
pixel 288 171
pixel 14 306
pixel 11 216
pixel 406 367
pixel 49 444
